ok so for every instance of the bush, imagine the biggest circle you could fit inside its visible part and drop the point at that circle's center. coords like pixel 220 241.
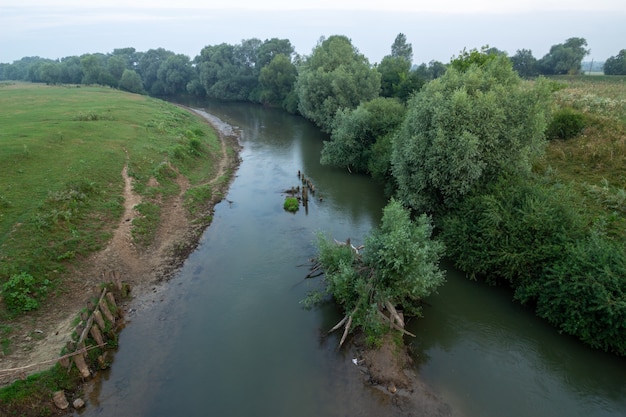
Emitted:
pixel 566 123
pixel 584 294
pixel 512 232
pixel 291 204
pixel 21 292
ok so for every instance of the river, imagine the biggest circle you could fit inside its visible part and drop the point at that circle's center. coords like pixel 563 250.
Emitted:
pixel 228 336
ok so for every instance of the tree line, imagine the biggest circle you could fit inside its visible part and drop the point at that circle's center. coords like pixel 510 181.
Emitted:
pixel 265 71
pixel 453 143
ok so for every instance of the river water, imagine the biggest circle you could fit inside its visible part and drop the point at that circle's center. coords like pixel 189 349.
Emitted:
pixel 228 337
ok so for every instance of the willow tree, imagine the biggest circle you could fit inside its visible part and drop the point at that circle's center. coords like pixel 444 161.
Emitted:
pixel 464 130
pixel 335 76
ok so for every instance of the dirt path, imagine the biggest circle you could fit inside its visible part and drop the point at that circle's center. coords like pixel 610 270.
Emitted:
pixel 40 336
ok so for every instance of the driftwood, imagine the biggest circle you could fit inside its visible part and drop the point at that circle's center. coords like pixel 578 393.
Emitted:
pixel 394 325
pixel 394 313
pixel 316 271
pixel 347 323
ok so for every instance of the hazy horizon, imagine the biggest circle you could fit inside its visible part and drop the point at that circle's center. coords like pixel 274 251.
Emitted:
pixel 58 32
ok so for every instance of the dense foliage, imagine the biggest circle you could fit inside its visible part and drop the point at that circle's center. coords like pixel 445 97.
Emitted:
pixel 529 233
pixel 399 265
pixel 355 133
pixel 565 58
pixel 463 130
pixel 335 76
pixel 616 65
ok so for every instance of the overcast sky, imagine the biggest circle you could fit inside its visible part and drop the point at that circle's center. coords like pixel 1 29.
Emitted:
pixel 438 29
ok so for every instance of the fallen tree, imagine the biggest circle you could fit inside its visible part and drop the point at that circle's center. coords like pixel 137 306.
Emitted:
pixel 377 284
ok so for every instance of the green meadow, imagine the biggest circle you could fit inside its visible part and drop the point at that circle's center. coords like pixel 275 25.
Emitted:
pixel 62 151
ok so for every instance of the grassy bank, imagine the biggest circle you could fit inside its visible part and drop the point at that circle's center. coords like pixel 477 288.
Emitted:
pixel 62 151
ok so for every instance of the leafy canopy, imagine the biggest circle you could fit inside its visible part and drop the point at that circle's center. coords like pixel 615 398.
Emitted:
pixel 335 76
pixel 399 265
pixel 465 129
pixel 356 131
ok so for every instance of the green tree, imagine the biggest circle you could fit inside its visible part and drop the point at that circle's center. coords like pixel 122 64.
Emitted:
pixel 148 68
pixel 335 76
pixel 616 65
pixel 116 66
pixel 129 56
pixel 401 48
pixel 565 58
pixel 356 131
pixel 474 57
pixel 230 72
pixel 272 48
pixel 465 129
pixel 175 73
pixel 92 66
pixel 71 70
pixel 131 81
pixel 277 80
pixel 50 73
pixel 398 268
pixel 434 69
pixel 524 63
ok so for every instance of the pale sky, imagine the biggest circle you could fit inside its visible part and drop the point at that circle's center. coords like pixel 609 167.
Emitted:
pixel 436 29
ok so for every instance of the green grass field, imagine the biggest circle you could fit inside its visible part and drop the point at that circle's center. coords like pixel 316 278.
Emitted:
pixel 62 150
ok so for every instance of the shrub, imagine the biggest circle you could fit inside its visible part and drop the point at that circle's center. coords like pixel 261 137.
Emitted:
pixel 513 231
pixel 291 204
pixel 566 123
pixel 584 294
pixel 21 292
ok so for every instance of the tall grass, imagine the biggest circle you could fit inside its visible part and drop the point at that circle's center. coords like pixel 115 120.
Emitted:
pixel 594 162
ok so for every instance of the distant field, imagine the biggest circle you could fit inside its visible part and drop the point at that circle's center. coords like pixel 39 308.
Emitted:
pixel 62 150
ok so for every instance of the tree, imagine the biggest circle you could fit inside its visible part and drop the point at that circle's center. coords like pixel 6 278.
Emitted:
pixel 131 81
pixel 148 67
pixel 175 73
pixel 129 55
pixel 116 66
pixel 564 58
pixel 50 73
pixel 474 57
pixel 336 75
pixel 71 70
pixel 92 66
pixel 434 69
pixel 398 267
pixel 401 48
pixel 524 63
pixel 465 129
pixel 230 72
pixel 616 65
pixel 356 131
pixel 272 48
pixel 277 80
